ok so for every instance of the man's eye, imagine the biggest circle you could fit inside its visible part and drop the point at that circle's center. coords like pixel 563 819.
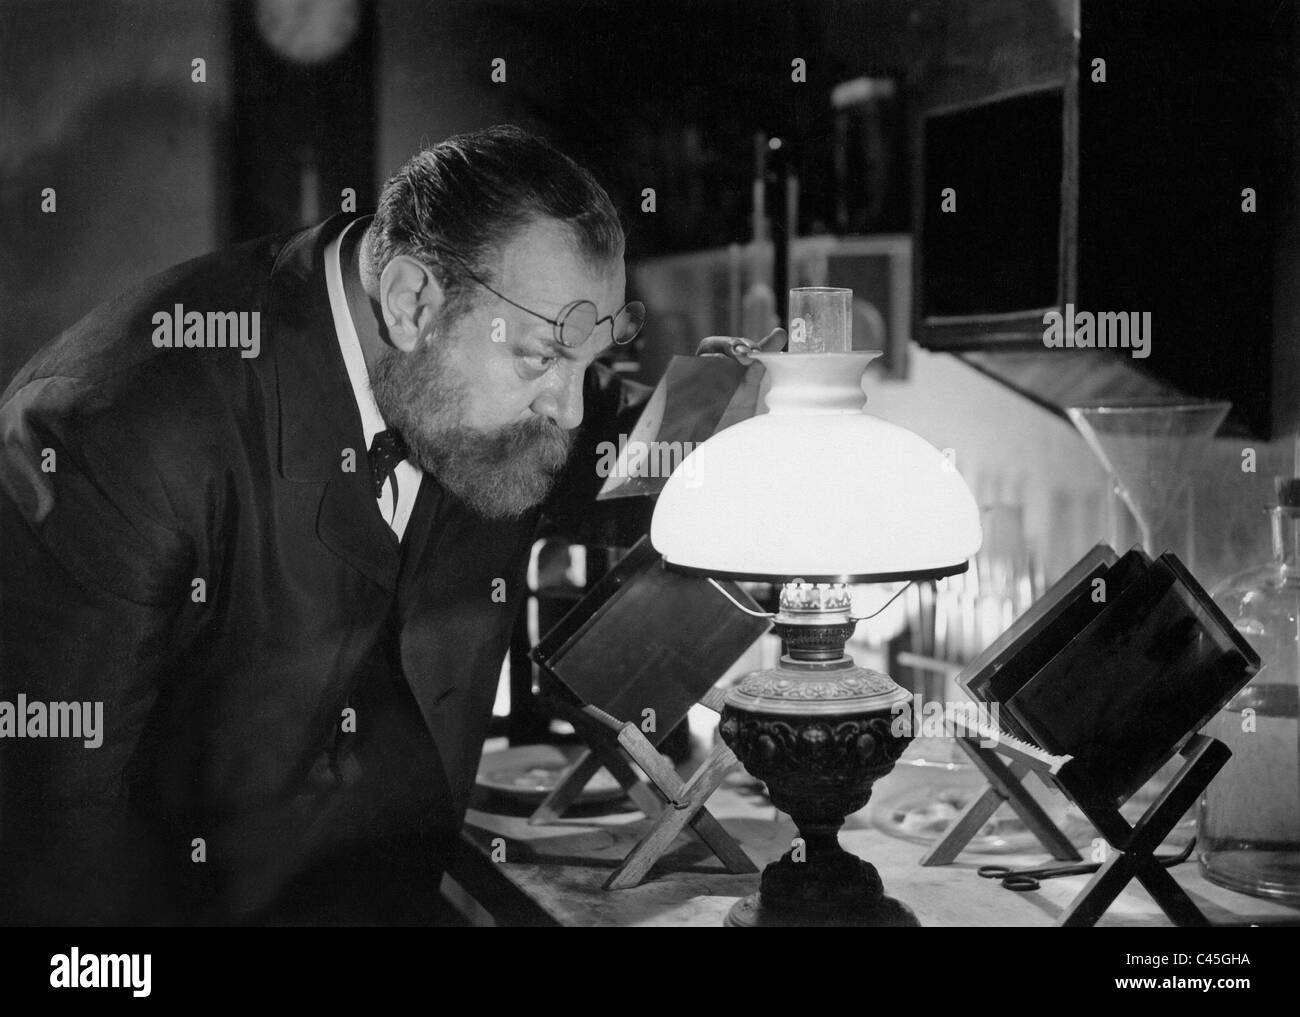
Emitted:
pixel 539 362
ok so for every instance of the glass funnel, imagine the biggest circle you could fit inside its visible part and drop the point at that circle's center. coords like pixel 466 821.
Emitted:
pixel 1151 449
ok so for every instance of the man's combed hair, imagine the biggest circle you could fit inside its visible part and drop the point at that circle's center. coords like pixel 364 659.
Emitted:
pixel 472 193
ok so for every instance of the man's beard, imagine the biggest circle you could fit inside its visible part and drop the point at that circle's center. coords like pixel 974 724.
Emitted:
pixel 500 474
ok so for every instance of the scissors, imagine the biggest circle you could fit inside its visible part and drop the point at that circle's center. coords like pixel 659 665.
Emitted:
pixel 1027 880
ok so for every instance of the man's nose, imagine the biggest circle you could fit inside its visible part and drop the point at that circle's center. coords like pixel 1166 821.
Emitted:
pixel 562 401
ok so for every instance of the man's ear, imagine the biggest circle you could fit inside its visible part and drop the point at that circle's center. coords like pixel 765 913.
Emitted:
pixel 410 298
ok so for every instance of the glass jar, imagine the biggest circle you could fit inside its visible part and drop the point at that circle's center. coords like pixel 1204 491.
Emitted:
pixel 1249 833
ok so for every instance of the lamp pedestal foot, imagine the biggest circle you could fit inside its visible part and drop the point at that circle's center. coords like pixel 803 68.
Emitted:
pixel 830 888
pixel 749 912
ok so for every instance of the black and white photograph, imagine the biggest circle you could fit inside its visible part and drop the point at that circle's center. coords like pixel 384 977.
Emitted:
pixel 662 463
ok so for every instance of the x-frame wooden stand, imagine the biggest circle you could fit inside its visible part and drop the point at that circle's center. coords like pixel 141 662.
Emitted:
pixel 671 802
pixel 1132 847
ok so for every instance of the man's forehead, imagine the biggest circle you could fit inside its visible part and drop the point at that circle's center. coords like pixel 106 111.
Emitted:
pixel 542 263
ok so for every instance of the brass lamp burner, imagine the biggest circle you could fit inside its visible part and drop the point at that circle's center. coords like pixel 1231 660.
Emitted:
pixel 817 730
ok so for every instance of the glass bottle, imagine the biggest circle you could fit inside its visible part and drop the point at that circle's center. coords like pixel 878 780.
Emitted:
pixel 1249 834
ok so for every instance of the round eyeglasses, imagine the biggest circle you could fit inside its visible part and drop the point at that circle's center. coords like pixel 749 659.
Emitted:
pixel 579 318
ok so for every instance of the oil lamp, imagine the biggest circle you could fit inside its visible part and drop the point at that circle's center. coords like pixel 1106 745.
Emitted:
pixel 816 494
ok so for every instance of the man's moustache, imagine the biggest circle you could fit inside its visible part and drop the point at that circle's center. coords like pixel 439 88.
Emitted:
pixel 551 440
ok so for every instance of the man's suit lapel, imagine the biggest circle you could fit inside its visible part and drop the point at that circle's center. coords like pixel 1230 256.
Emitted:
pixel 319 419
pixel 455 628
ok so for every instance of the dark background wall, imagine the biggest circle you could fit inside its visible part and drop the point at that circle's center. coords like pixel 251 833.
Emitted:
pixel 96 101
pixel 151 168
pixel 665 94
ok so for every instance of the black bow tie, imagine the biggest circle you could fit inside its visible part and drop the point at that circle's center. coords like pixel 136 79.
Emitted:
pixel 387 449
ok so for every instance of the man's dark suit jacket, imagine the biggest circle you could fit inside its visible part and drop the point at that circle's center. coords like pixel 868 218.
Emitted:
pixel 225 778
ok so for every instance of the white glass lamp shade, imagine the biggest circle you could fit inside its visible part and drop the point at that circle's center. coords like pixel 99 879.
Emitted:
pixel 817 489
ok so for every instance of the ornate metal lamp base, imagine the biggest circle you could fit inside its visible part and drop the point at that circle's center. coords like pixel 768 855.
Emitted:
pixel 819 731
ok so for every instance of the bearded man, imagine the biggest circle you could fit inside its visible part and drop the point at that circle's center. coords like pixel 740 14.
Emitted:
pixel 288 567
